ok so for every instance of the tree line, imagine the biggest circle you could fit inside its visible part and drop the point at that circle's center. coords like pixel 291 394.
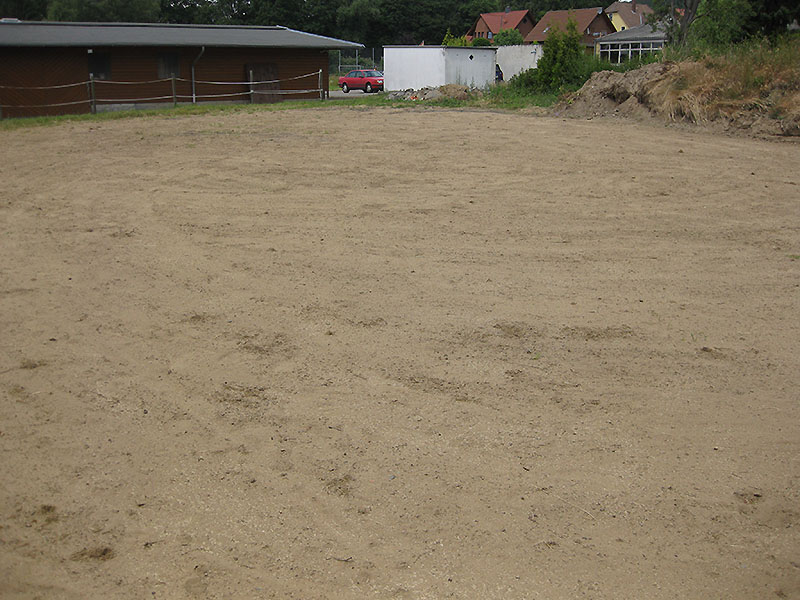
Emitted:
pixel 371 22
pixel 375 23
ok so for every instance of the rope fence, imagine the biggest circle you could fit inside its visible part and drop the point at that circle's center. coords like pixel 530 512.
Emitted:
pixel 93 100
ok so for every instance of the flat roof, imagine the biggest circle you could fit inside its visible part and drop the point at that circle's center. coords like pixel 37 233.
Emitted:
pixel 642 33
pixel 52 34
pixel 439 46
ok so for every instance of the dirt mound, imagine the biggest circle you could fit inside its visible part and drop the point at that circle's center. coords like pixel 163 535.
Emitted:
pixel 608 93
pixel 693 92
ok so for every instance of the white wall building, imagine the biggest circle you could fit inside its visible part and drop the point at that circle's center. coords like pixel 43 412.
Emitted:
pixel 512 60
pixel 416 67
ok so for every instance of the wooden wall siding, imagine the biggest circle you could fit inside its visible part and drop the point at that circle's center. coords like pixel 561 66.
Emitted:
pixel 25 67
pixel 30 67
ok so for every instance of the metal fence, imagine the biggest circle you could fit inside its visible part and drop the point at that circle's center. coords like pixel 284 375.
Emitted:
pixel 347 60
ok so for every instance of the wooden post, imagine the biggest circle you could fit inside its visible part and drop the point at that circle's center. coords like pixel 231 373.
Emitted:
pixel 174 95
pixel 252 91
pixel 91 93
pixel 321 90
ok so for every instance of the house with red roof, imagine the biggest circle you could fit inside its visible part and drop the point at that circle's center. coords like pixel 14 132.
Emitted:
pixel 489 25
pixel 592 23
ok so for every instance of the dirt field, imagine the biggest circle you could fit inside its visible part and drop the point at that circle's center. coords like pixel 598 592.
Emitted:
pixel 383 353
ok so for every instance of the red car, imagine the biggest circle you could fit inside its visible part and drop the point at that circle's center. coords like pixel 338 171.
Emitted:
pixel 362 79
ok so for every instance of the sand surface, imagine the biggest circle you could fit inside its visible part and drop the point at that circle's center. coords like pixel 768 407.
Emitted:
pixel 384 353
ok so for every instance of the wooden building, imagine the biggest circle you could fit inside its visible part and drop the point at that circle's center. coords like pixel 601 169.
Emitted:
pixel 51 68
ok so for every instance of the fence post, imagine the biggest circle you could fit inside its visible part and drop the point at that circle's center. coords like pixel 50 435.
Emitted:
pixel 174 96
pixel 91 93
pixel 321 90
pixel 252 90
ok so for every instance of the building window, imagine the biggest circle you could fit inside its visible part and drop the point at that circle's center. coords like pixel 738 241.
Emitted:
pixel 169 65
pixel 100 65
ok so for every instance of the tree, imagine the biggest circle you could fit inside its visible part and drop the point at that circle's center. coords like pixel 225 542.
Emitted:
pixel 25 10
pixel 236 12
pixel 771 17
pixel 464 14
pixel 736 19
pixel 120 11
pixel 321 15
pixel 721 22
pixel 481 41
pixel 677 16
pixel 451 40
pixel 289 13
pixel 191 11
pixel 508 37
pixel 362 21
pixel 561 65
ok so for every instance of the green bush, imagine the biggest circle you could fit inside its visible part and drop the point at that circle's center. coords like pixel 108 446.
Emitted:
pixel 451 40
pixel 481 41
pixel 561 65
pixel 565 67
pixel 508 37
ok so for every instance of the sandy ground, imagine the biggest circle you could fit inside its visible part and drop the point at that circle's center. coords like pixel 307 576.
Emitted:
pixel 382 353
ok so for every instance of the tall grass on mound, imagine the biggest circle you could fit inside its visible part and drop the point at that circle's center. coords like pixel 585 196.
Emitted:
pixel 565 66
pixel 756 75
pixel 753 84
pixel 756 68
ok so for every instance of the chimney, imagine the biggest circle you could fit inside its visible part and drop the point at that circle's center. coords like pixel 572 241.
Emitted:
pixel 508 9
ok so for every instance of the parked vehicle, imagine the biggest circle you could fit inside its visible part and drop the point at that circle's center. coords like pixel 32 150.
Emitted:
pixel 362 79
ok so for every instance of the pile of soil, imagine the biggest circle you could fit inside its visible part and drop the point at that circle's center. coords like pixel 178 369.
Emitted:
pixel 685 92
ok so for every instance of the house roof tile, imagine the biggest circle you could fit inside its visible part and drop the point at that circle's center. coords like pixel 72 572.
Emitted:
pixel 558 18
pixel 626 11
pixel 497 21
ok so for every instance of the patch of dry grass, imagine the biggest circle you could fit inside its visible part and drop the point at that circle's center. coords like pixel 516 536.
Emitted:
pixel 761 79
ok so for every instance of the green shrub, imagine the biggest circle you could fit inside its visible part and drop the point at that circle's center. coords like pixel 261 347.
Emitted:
pixel 565 67
pixel 451 40
pixel 561 64
pixel 481 41
pixel 508 37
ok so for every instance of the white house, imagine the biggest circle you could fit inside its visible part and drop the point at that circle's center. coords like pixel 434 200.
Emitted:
pixel 512 60
pixel 416 67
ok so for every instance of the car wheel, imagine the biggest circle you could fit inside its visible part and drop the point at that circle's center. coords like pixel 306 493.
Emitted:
pixel 368 88
pixel 345 89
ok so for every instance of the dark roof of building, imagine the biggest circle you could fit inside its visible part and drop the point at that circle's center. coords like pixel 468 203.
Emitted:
pixel 498 21
pixel 632 13
pixel 43 33
pixel 558 18
pixel 643 33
